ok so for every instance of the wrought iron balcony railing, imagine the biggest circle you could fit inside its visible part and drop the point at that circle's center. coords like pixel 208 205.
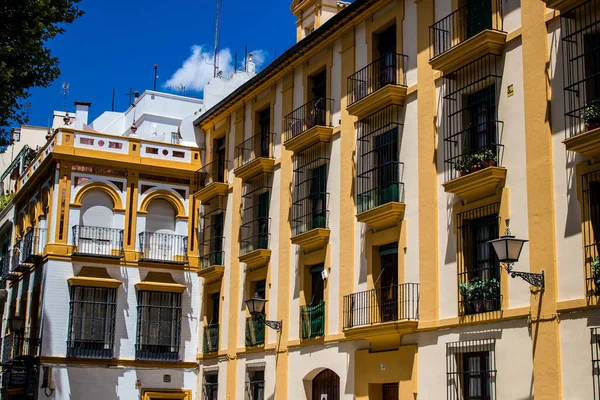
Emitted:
pixel 213 172
pixel 388 70
pixel 7 272
pixel 464 23
pixel 314 113
pixel 255 331
pixel 258 146
pixel 25 343
pixel 95 349
pixel 312 320
pixel 380 185
pixel 255 235
pixel 210 342
pixel 29 249
pixel 163 247
pixel 97 241
pixel 156 352
pixel 212 239
pixel 387 304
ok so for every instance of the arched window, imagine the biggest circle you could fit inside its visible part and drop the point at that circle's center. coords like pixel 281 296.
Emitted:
pixel 96 210
pixel 161 217
pixel 326 383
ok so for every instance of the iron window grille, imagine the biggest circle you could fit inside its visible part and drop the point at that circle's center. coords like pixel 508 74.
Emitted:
pixel 390 69
pixel 478 266
pixel 316 112
pixel 92 322
pixel 390 391
pixel 595 344
pixel 29 249
pixel 466 22
pixel 7 272
pixel 471 369
pixel 255 383
pixel 24 343
pixel 210 386
pixel 255 213
pixel 258 146
pixel 210 343
pixel 375 306
pixel 580 28
pixel 379 170
pixel 312 320
pixel 255 331
pixel 159 326
pixel 97 241
pixel 163 247
pixel 212 240
pixel 591 230
pixel 472 131
pixel 10 347
pixel 310 197
pixel 213 172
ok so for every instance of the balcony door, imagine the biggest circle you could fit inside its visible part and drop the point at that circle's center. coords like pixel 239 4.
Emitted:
pixel 480 117
pixel 264 122
pixel 479 16
pixel 263 220
pixel 326 385
pixel 217 238
pixel 386 161
pixel 386 49
pixel 388 282
pixel 219 157
pixel 318 196
pixel 319 94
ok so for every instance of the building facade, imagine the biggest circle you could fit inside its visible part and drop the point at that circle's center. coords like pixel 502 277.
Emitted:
pixel 355 184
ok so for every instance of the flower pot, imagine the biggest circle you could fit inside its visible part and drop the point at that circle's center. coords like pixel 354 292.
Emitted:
pixel 591 126
pixel 490 163
pixel 469 309
pixel 489 305
pixel 464 172
pixel 475 168
pixel 478 305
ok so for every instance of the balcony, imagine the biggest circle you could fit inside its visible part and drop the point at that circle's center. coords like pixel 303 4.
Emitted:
pixel 211 181
pixel 563 5
pixel 157 352
pixel 29 250
pixel 254 242
pixel 379 84
pixel 94 241
pixel 212 239
pixel 210 342
pixel 90 349
pixel 312 321
pixel 21 344
pixel 7 273
pixel 163 248
pixel 254 156
pixel 255 331
pixel 465 35
pixel 308 124
pixel 388 311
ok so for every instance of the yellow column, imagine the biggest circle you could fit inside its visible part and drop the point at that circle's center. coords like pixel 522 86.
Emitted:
pixel 428 221
pixel 540 201
pixel 285 234
pixel 347 169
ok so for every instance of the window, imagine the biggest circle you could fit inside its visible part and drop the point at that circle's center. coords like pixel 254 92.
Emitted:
pixel 219 158
pixel 478 267
pixel 264 124
pixel 595 343
pixel 580 28
pixel 312 316
pixel 159 326
pixel 309 208
pixel 212 215
pixel 479 16
pixel 591 230
pixel 92 322
pixel 210 386
pixel 211 331
pixel 387 282
pixel 379 171
pixel 175 137
pixel 255 326
pixel 471 370
pixel 255 383
pixel 255 213
pixel 472 131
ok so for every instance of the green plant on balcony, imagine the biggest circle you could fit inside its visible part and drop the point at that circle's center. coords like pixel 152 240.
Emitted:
pixel 591 115
pixel 474 162
pixel 596 275
pixel 5 200
pixel 479 295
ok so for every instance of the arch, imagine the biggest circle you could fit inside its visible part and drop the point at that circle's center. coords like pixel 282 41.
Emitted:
pixel 97 209
pixel 326 382
pixel 165 195
pixel 161 216
pixel 111 191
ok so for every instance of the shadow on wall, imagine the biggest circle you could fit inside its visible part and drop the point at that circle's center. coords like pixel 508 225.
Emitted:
pixel 123 313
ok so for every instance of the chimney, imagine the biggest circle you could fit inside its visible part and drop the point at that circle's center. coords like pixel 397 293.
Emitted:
pixel 81 114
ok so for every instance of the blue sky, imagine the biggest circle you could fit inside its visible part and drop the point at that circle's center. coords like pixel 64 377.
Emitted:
pixel 116 44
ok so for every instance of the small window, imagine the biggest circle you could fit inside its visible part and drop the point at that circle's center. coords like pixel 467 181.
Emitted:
pixel 151 150
pixel 92 322
pixel 210 386
pixel 595 342
pixel 159 326
pixel 178 154
pixel 175 137
pixel 255 384
pixel 471 370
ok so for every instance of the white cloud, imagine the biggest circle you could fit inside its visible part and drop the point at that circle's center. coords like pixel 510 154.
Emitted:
pixel 198 69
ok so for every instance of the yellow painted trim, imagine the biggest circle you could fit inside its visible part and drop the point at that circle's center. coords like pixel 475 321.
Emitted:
pixel 102 186
pixel 94 282
pixel 160 394
pixel 118 362
pixel 165 195
pixel 160 287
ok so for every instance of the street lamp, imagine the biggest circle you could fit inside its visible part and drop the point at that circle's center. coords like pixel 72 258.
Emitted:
pixel 16 323
pixel 508 250
pixel 256 307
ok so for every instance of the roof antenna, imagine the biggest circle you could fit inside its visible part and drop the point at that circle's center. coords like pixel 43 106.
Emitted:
pixel 65 91
pixel 217 38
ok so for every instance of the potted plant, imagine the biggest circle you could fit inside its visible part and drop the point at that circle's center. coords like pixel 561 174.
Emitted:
pixel 477 294
pixel 591 115
pixel 491 294
pixel 596 275
pixel 488 158
pixel 464 288
pixel 463 165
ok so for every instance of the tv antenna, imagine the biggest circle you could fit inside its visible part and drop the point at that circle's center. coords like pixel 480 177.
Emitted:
pixel 65 91
pixel 217 38
pixel 27 109
pixel 181 88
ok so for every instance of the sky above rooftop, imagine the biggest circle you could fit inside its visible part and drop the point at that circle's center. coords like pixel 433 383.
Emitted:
pixel 116 44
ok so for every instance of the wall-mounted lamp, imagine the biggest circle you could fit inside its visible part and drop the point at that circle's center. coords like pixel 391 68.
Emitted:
pixel 256 307
pixel 508 250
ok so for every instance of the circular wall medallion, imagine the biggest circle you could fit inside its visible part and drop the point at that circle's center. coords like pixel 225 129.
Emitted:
pixel 166 152
pixel 101 143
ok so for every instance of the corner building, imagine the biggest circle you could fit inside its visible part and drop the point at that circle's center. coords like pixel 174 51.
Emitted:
pixel 355 182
